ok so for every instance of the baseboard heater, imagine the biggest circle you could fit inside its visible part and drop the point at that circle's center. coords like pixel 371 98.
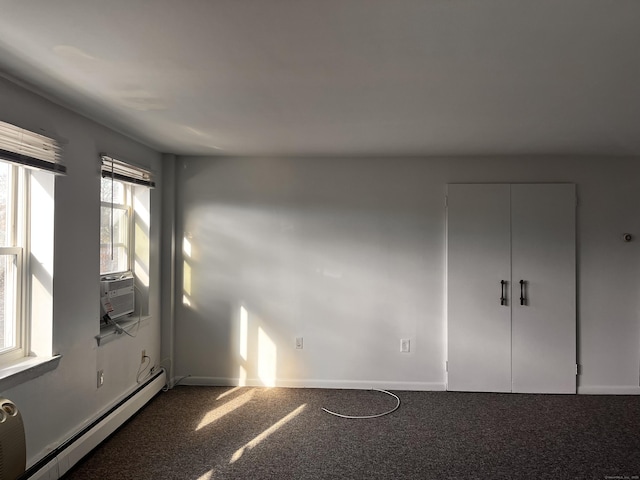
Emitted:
pixel 56 463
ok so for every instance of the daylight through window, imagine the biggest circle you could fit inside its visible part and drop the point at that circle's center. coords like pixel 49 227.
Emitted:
pixel 124 239
pixel 115 226
pixel 28 162
pixel 12 223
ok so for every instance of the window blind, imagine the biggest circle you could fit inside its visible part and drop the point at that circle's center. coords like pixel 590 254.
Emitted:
pixel 125 172
pixel 30 149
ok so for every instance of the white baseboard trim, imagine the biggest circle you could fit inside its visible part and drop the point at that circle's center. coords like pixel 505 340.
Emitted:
pixel 294 383
pixel 382 385
pixel 609 390
pixel 71 451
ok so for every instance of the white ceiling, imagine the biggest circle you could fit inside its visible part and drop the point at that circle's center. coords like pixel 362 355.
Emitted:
pixel 340 77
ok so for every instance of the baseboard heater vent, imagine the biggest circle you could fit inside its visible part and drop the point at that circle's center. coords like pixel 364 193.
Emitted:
pixel 55 464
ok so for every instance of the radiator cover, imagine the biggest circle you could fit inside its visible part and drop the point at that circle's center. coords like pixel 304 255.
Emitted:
pixel 13 454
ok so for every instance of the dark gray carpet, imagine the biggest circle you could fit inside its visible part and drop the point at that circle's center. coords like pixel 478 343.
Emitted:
pixel 196 433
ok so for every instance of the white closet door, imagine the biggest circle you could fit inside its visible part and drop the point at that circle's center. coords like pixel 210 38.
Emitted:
pixel 543 256
pixel 478 326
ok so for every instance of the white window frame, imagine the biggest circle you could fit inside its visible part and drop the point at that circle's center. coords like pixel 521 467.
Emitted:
pixel 37 157
pixel 18 239
pixel 128 208
pixel 137 181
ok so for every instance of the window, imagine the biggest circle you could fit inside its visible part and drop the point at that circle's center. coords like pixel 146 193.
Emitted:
pixel 124 237
pixel 12 235
pixel 116 227
pixel 27 161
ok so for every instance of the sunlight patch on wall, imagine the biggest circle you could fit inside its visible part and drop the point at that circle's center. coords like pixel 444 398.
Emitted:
pixel 264 435
pixel 223 410
pixel 141 273
pixel 242 377
pixel 42 196
pixel 186 247
pixel 41 237
pixel 141 266
pixel 186 284
pixel 267 356
pixel 244 325
pixel 141 201
pixel 142 219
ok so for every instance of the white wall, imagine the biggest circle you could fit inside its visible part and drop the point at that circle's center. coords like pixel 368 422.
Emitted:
pixel 350 254
pixel 58 403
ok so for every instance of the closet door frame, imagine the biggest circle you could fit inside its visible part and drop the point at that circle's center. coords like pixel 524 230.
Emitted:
pixel 523 232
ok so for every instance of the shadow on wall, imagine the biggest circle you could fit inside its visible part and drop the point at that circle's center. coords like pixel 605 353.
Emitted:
pixel 254 278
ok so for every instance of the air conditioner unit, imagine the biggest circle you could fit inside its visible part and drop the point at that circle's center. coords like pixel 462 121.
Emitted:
pixel 116 296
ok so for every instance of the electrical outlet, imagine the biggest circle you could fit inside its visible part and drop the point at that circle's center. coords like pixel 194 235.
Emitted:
pixel 299 343
pixel 144 354
pixel 100 378
pixel 405 345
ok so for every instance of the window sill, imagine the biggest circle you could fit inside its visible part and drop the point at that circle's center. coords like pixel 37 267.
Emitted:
pixel 26 369
pixel 111 332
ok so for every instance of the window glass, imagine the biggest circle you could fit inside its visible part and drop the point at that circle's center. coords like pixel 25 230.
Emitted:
pixel 115 190
pixel 5 204
pixel 115 227
pixel 11 318
pixel 8 302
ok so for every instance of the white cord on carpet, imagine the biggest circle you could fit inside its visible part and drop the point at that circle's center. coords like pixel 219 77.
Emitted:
pixel 368 416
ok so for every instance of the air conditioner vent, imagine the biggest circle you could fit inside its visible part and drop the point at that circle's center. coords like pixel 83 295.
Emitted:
pixel 117 296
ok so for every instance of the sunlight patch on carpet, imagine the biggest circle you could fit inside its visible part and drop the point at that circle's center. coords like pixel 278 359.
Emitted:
pixel 225 409
pixel 206 476
pixel 228 392
pixel 264 435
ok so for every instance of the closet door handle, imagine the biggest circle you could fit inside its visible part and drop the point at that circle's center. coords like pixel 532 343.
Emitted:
pixel 523 299
pixel 503 297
